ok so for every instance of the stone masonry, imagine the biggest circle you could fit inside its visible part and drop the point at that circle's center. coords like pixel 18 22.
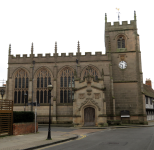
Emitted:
pixel 114 90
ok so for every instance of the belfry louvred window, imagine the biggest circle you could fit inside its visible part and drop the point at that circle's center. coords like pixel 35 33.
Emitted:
pixel 121 42
pixel 21 86
pixel 66 85
pixel 43 80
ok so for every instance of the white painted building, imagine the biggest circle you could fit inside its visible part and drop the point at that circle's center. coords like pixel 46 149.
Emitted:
pixel 149 99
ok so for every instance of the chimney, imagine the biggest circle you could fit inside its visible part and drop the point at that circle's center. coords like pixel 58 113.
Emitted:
pixel 148 82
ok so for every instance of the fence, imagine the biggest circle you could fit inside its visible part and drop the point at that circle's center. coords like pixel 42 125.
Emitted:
pixel 6 117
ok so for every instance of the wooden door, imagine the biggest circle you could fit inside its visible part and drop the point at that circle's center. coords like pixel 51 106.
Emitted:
pixel 89 116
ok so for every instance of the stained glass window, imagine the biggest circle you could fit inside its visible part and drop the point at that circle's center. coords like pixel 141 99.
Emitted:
pixel 23 82
pixel 45 96
pixel 20 78
pixel 22 96
pixel 43 80
pixel 66 85
pixel 19 82
pixel 41 97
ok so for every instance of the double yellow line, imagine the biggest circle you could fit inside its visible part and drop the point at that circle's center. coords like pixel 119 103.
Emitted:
pixel 83 136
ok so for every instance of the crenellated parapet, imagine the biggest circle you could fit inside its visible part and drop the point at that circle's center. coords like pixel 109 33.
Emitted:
pixel 117 26
pixel 60 58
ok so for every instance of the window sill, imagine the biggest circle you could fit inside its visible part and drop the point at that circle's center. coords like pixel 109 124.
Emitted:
pixel 65 104
pixel 121 49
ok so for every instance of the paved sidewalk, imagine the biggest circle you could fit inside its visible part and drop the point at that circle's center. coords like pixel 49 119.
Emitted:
pixel 30 141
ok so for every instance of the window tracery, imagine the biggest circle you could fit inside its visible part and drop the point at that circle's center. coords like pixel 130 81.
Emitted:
pixel 121 42
pixel 43 80
pixel 21 86
pixel 66 85
pixel 92 72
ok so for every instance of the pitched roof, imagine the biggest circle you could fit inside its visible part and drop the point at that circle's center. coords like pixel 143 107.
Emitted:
pixel 148 91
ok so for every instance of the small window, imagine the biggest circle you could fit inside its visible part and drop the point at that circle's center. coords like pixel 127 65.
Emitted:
pixel 38 82
pixel 61 96
pixel 19 82
pixel 26 99
pixel 41 97
pixel 19 94
pixel 121 42
pixel 65 81
pixel 69 96
pixel 65 96
pixel 15 97
pixel 37 96
pixel 22 96
pixel 45 85
pixel 146 100
pixel 96 78
pixel 26 82
pixel 45 96
pixel 61 82
pixel 49 96
pixel 151 101
pixel 41 82
pixel 23 82
pixel 69 81
pixel 72 81
pixel 49 80
pixel 15 82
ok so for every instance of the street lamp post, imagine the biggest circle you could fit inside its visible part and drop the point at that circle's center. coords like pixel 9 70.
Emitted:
pixel 50 87
pixel 25 96
pixel 2 93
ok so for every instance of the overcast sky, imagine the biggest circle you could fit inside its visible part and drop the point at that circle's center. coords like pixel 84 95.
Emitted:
pixel 66 21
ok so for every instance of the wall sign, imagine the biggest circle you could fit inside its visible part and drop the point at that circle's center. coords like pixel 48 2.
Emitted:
pixel 125 113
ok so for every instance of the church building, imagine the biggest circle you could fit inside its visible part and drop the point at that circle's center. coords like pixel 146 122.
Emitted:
pixel 87 89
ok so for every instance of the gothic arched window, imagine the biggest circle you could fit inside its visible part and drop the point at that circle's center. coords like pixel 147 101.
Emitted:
pixel 92 72
pixel 121 42
pixel 66 85
pixel 43 80
pixel 21 86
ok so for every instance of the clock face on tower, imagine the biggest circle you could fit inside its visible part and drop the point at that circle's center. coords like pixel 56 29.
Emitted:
pixel 122 65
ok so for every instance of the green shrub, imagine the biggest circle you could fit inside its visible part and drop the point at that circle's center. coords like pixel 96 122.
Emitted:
pixel 22 116
pixel 114 122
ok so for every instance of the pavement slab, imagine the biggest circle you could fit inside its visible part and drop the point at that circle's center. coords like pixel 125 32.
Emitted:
pixel 27 141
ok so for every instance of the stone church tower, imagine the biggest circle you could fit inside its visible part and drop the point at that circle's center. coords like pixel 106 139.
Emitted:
pixel 87 89
pixel 122 47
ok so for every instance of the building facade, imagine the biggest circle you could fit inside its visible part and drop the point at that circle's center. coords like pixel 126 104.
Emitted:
pixel 87 89
pixel 149 99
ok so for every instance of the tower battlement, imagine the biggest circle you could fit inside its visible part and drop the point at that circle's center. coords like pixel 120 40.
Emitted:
pixel 116 25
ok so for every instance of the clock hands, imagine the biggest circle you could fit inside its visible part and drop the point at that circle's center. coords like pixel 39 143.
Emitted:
pixel 122 64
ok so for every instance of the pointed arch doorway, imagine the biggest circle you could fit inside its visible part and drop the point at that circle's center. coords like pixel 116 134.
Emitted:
pixel 89 116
